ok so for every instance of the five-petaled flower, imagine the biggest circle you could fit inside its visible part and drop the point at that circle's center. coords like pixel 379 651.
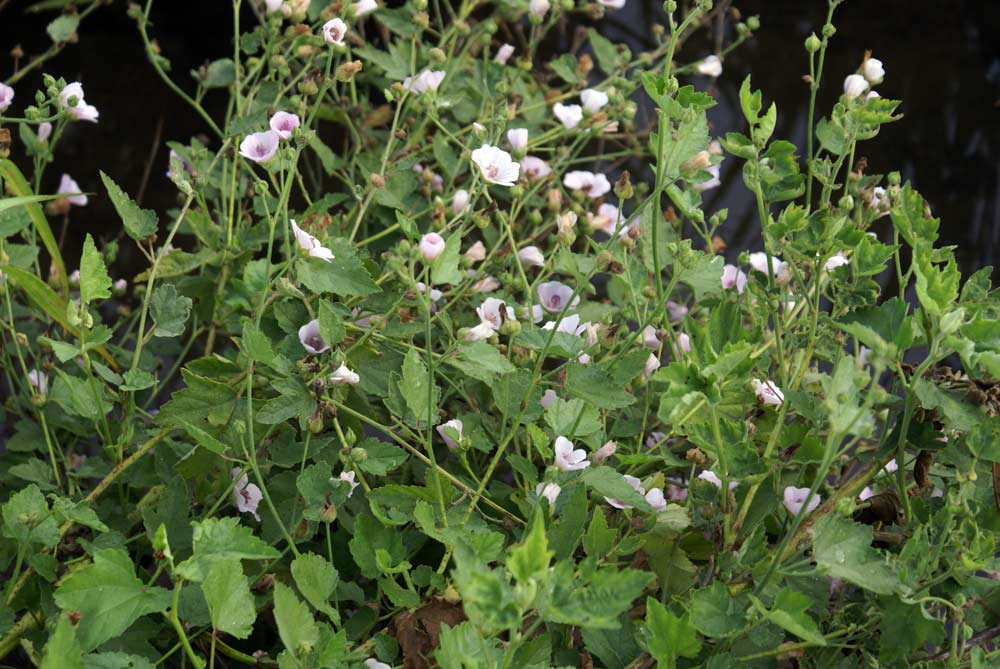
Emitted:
pixel 795 499
pixel 334 31
pixel 569 459
pixel 260 146
pixel 310 244
pixel 246 495
pixel 310 338
pixel 496 165
pixel 284 123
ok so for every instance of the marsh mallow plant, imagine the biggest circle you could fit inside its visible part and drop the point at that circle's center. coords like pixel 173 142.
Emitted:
pixel 440 360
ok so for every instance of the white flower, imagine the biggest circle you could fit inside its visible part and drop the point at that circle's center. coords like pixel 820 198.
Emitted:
pixel 891 467
pixel 554 296
pixel 782 272
pixel 334 31
pixel 479 333
pixel 66 186
pixel 69 91
pixel 866 494
pixel 593 99
pixel 548 397
pixel 85 112
pixel 594 185
pixel 539 8
pixel 683 344
pixel 44 131
pixel 310 338
pixel 549 491
pixel 362 7
pixel 531 256
pixel 246 495
pixel 260 146
pixel 613 4
pixel 456 425
pixel 835 261
pixel 714 479
pixel 284 124
pixel 606 219
pixel 632 481
pixel 872 94
pixel 433 293
pixel 310 244
pixel 676 312
pixel 604 452
pixel 535 168
pixel 343 375
pixel 767 392
pixel 652 364
pixel 39 381
pixel 119 286
pixel 427 80
pixel 496 165
pixel 6 96
pixel 460 202
pixel 710 67
pixel 348 477
pixel 569 459
pixel 504 53
pixel 854 85
pixel 711 183
pixel 518 138
pixel 476 252
pixel 795 499
pixel 873 71
pixel 656 500
pixel 733 277
pixel 486 285
pixel 431 246
pixel 649 338
pixel 569 115
pixel 494 312
pixel 371 662
pixel 273 5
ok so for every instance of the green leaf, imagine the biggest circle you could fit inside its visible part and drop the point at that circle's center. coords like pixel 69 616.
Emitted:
pixel 296 626
pixel 668 636
pixel 936 288
pixel 221 73
pixel 591 383
pixel 381 457
pixel 331 324
pixel 716 613
pixel 842 549
pixel 958 414
pixel 905 628
pixel 108 597
pixel 230 603
pixel 599 539
pixel 26 519
pixel 481 361
pixel 531 558
pixel 222 539
pixel 62 651
pixel 789 613
pixel 604 49
pixel 572 418
pixel 444 268
pixel 139 223
pixel 607 482
pixel 344 275
pixel 912 218
pixel 317 580
pixel 63 27
pixel 95 284
pixel 169 310
pixel 416 387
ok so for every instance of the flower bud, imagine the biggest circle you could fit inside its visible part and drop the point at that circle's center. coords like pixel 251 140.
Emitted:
pixel 753 23
pixel 812 43
pixel 623 186
pixel 376 180
pixel 846 202
pixel 328 514
pixel 829 31
pixel 346 72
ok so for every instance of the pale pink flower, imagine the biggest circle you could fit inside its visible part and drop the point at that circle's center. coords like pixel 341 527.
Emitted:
pixel 518 138
pixel 733 277
pixel 260 146
pixel 604 452
pixel 343 375
pixel 273 5
pixel 476 253
pixel 676 493
pixel 854 86
pixel 873 70
pixel 758 261
pixel 656 499
pixel 39 381
pixel 70 91
pixel 531 256
pixel 795 499
pixel 432 293
pixel 6 96
pixel 310 244
pixel 85 112
pixel 460 202
pixel 310 338
pixel 714 479
pixel 567 458
pixel 683 343
pixel 891 467
pixel 867 493
pixel 486 285
pixel 676 311
pixel 504 53
pixel 539 8
pixel 334 32
pixel 362 7
pixel 555 295
pixel 632 481
pixel 431 246
pixel 652 364
pixel 284 124
pixel 593 100
pixel 768 392
pixel 548 397
pixel 454 424
pixel 371 662
pixel 427 80
pixel 594 185
pixel 494 312
pixel 481 332
pixel 710 67
pixel 714 170
pixel 348 478
pixel 67 186
pixel 835 261
pixel 535 168
pixel 613 4
pixel 569 115
pixel 44 131
pixel 246 495
pixel 496 165
pixel 606 219
pixel 649 338
pixel 549 491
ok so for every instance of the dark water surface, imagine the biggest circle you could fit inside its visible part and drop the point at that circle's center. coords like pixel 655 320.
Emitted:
pixel 942 59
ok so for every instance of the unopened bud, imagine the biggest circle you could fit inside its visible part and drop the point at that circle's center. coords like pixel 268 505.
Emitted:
pixel 623 186
pixel 376 180
pixel 812 43
pixel 346 72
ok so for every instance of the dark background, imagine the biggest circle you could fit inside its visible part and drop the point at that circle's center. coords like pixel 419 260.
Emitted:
pixel 941 59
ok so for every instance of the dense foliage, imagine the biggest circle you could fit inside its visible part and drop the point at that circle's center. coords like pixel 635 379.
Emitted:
pixel 405 383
